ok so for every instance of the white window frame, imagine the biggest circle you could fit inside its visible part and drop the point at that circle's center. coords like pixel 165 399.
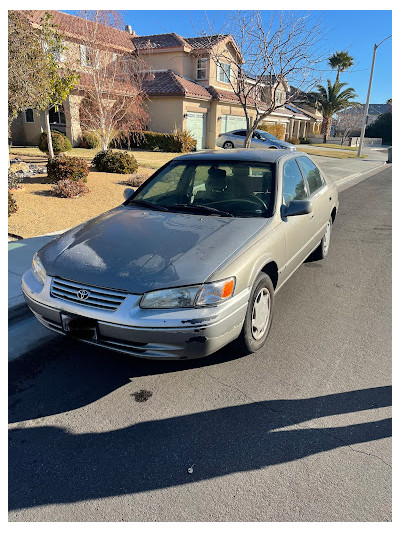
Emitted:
pixel 33 116
pixel 85 56
pixel 222 69
pixel 278 97
pixel 201 66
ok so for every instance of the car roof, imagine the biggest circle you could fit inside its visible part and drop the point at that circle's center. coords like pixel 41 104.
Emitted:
pixel 238 154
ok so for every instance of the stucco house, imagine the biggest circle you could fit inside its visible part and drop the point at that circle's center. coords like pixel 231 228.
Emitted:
pixel 185 87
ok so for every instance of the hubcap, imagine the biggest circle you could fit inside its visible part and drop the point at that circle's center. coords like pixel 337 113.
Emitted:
pixel 261 313
pixel 327 238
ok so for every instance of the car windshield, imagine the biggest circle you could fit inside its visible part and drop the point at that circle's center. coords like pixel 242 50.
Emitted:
pixel 214 188
pixel 267 135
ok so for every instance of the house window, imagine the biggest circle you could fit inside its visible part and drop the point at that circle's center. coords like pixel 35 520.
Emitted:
pixel 85 56
pixel 29 117
pixel 57 117
pixel 278 97
pixel 201 71
pixel 224 72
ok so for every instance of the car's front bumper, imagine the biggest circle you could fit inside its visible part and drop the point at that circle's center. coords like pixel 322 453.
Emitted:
pixel 149 333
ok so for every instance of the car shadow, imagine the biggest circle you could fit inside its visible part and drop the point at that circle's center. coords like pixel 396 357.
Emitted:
pixel 50 465
pixel 67 374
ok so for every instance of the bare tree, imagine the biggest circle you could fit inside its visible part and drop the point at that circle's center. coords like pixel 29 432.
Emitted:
pixel 113 106
pixel 349 121
pixel 268 54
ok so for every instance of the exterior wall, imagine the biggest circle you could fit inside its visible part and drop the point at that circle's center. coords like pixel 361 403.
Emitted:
pixel 165 114
pixel 179 61
pixel 27 133
pixel 228 51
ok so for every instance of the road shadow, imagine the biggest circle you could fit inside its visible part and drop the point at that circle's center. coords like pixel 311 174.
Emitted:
pixel 49 465
pixel 67 374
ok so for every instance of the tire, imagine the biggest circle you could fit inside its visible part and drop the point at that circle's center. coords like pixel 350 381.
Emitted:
pixel 228 145
pixel 322 251
pixel 254 333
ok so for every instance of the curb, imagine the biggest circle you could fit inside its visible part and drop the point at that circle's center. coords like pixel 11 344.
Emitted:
pixel 362 175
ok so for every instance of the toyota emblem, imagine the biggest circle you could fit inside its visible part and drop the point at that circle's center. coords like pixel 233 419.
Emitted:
pixel 83 294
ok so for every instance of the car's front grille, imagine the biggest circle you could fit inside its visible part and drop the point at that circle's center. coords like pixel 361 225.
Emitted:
pixel 87 295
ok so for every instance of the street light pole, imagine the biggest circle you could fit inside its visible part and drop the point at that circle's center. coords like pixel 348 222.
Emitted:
pixel 364 124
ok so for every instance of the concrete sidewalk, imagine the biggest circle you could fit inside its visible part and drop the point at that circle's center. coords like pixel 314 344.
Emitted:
pixel 25 332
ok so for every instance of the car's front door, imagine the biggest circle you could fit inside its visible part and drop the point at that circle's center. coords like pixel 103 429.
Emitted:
pixel 299 230
pixel 319 195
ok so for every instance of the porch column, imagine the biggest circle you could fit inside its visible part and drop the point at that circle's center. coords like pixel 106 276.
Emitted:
pixel 297 129
pixel 73 125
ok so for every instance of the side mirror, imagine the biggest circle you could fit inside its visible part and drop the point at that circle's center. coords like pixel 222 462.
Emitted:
pixel 297 207
pixel 128 193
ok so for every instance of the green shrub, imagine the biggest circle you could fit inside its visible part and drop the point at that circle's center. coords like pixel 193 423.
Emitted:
pixel 304 140
pixel 12 204
pixel 277 130
pixel 179 141
pixel 382 127
pixel 116 162
pixel 60 142
pixel 62 167
pixel 69 188
pixel 90 140
pixel 293 140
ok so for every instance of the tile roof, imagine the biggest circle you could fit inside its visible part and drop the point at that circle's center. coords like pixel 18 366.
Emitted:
pixel 205 41
pixel 163 40
pixel 116 87
pixel 168 83
pixel 75 27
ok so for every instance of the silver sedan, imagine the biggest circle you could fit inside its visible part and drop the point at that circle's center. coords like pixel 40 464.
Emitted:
pixel 192 260
pixel 261 140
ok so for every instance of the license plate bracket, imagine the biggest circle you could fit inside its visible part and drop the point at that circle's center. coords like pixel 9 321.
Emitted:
pixel 80 326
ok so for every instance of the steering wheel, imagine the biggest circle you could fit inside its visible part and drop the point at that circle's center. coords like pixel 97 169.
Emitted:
pixel 244 200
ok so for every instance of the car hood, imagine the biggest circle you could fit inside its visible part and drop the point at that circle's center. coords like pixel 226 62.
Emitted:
pixel 284 144
pixel 138 250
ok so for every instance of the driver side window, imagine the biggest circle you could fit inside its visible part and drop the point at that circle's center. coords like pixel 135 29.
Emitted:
pixel 293 187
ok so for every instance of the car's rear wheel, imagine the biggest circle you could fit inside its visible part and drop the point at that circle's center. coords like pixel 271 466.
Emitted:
pixel 322 251
pixel 258 316
pixel 228 145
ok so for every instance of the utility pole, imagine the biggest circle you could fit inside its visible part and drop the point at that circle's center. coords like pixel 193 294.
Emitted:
pixel 364 125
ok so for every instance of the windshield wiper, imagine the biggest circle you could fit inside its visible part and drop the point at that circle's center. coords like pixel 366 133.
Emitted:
pixel 148 204
pixel 201 209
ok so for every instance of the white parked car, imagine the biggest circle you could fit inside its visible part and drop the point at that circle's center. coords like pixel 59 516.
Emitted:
pixel 261 140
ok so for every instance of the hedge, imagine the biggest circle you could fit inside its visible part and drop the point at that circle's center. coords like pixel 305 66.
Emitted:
pixel 179 141
pixel 277 130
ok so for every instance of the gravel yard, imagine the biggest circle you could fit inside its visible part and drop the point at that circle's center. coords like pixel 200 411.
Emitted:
pixel 39 212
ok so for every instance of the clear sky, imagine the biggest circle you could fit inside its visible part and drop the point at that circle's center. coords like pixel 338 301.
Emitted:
pixel 354 31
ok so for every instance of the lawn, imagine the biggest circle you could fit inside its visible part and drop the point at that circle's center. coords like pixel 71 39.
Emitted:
pixel 338 154
pixel 337 146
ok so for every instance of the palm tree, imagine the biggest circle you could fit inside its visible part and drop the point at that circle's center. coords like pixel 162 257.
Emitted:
pixel 340 61
pixel 331 100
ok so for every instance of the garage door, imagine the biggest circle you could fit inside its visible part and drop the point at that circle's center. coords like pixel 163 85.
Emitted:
pixel 196 124
pixel 231 122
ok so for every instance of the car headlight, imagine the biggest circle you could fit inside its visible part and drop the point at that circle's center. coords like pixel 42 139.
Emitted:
pixel 193 296
pixel 38 269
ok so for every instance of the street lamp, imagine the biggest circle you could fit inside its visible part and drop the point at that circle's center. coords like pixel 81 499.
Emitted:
pixel 368 93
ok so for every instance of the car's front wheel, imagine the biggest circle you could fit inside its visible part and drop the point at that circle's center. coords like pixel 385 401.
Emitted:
pixel 322 251
pixel 258 316
pixel 228 145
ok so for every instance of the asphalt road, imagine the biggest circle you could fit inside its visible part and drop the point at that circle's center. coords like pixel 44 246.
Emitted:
pixel 299 431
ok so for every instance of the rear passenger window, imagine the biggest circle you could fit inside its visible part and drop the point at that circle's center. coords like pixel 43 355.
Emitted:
pixel 293 183
pixel 312 174
pixel 240 133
